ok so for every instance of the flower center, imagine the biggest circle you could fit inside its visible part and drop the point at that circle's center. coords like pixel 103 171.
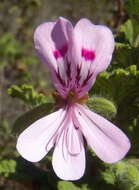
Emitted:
pixel 71 99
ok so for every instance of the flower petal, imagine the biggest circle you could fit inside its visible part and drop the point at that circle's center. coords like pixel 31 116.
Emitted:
pixel 108 142
pixel 92 50
pixel 52 41
pixel 73 139
pixel 35 142
pixel 44 44
pixel 69 157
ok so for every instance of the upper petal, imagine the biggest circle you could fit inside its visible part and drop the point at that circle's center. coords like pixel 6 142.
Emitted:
pixel 34 142
pixel 108 142
pixel 52 41
pixel 69 155
pixel 92 50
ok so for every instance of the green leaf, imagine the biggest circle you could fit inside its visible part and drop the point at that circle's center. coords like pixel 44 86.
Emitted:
pixel 125 55
pixel 122 45
pixel 124 173
pixel 132 7
pixel 127 29
pixel 65 185
pixel 9 47
pixel 27 94
pixel 31 116
pixel 85 187
pixel 102 106
pixel 109 177
pixel 131 31
pixel 7 167
pixel 117 84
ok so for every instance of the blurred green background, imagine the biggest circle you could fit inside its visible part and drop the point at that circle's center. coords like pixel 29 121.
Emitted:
pixel 25 91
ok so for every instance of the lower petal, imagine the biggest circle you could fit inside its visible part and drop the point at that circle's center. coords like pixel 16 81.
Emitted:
pixel 35 142
pixel 68 166
pixel 108 142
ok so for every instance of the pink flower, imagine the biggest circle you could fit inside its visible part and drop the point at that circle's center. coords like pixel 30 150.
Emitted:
pixel 74 56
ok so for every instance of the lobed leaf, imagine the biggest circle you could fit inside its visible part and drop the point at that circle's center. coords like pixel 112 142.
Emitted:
pixel 28 95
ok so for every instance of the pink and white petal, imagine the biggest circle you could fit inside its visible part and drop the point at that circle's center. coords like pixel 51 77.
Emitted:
pixel 108 142
pixel 83 90
pixel 73 138
pixel 52 41
pixel 69 159
pixel 93 46
pixel 44 43
pixel 61 35
pixel 35 141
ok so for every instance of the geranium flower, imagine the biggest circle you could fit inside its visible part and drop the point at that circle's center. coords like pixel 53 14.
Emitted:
pixel 74 56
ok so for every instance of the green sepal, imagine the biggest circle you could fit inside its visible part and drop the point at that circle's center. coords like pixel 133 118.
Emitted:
pixel 102 106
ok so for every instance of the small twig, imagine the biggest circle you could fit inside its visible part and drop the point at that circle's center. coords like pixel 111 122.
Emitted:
pixel 120 12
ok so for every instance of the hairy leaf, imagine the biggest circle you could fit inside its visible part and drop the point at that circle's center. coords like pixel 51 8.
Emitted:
pixel 102 106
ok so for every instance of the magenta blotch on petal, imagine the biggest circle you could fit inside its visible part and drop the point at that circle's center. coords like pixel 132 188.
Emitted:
pixel 89 55
pixel 61 52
